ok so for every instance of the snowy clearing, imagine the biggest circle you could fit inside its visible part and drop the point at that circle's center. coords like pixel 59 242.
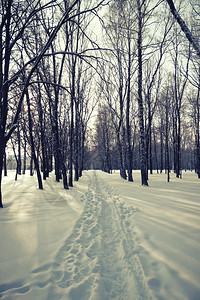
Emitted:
pixel 103 239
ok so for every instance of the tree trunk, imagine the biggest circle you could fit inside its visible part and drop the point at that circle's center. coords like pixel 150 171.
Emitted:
pixel 47 160
pixel 72 127
pixel 178 165
pixel 16 158
pixel 2 151
pixel 167 137
pixel 108 158
pixel 155 150
pixel 150 151
pixel 197 133
pixel 124 151
pixel 161 146
pixel 128 129
pixel 19 162
pixel 5 164
pixel 122 167
pixel 31 164
pixel 50 158
pixel 32 143
pixel 143 162
pixel 82 151
pixel 24 160
pixel 42 131
pixel 76 143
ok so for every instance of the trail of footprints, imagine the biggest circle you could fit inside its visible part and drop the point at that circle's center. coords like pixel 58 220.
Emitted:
pixel 98 257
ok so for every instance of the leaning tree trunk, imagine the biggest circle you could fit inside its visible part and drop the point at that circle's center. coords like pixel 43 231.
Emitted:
pixel 184 27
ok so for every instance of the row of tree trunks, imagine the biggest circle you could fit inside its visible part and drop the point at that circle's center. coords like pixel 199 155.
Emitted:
pixel 9 38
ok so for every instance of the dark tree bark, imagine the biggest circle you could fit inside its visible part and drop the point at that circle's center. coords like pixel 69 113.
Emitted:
pixel 161 146
pixel 24 159
pixel 31 165
pixel 5 164
pixel 19 159
pixel 1 168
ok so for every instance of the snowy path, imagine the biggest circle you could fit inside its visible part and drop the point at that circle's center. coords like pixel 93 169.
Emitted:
pixel 98 260
pixel 91 243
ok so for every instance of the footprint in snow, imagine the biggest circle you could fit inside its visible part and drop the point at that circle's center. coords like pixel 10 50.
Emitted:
pixel 98 259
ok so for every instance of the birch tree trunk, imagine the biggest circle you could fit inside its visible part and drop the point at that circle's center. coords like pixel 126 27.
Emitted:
pixel 128 128
pixel 143 162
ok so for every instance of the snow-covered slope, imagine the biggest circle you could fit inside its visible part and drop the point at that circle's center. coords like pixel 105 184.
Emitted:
pixel 103 239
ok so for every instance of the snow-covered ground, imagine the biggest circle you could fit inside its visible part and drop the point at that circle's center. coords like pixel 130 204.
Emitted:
pixel 104 239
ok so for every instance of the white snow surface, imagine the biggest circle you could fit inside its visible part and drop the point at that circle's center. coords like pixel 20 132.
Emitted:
pixel 103 239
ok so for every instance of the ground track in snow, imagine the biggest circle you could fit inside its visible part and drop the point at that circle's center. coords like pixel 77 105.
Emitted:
pixel 98 260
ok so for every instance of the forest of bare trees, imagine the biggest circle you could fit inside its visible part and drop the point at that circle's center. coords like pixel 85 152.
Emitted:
pixel 107 84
